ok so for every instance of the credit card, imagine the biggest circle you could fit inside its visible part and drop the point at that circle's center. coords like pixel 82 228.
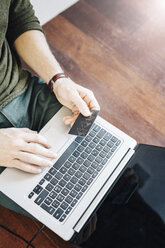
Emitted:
pixel 82 124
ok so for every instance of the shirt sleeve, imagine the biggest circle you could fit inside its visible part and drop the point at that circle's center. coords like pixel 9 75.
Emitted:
pixel 21 19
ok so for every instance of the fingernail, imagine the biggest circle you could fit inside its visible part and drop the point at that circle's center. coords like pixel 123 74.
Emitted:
pixel 38 170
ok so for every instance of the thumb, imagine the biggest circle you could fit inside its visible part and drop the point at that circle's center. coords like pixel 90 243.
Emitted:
pixel 80 104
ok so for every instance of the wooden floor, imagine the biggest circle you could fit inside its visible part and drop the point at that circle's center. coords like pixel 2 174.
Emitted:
pixel 116 48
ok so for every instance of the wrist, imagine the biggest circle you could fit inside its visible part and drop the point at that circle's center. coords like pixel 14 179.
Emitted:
pixel 55 78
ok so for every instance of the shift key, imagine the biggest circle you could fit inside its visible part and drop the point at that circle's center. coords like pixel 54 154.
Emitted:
pixel 41 197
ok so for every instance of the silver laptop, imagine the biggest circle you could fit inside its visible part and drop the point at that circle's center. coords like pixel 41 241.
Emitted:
pixel 64 197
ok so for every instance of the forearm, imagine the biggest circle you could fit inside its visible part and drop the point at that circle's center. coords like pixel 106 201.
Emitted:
pixel 32 47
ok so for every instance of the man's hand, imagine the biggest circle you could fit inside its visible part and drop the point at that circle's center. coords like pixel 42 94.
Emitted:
pixel 19 148
pixel 76 98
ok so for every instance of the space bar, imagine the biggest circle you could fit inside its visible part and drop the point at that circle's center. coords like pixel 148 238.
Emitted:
pixel 65 155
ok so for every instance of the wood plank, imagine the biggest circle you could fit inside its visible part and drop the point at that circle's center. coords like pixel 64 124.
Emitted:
pixel 105 68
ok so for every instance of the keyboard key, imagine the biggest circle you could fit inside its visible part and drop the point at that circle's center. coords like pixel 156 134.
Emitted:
pixel 79 139
pixel 65 155
pixel 88 138
pixel 109 155
pixel 48 177
pixel 42 181
pixel 98 159
pixel 91 158
pixel 92 133
pixel 54 181
pixel 101 133
pixel 37 189
pixel 52 171
pixel 96 140
pixel 68 210
pixel 58 175
pixel 67 164
pixel 83 168
pixel 60 197
pixel 74 180
pixel 72 159
pixel 99 147
pixel 87 163
pixel 73 193
pixel 118 143
pixel 79 195
pixel 62 218
pixel 53 195
pixel 88 150
pixel 41 197
pixel 49 187
pixel 104 161
pixel 62 183
pixel 49 209
pixel 84 188
pixel 78 174
pixel 63 170
pixel 94 165
pixel 64 205
pixel 90 181
pixel 113 148
pixel 67 177
pixel 90 170
pixel 68 199
pixel 86 176
pixel 113 139
pixel 92 145
pixel 71 171
pixel 79 160
pixel 48 201
pixel 99 167
pixel 80 148
pixel 84 155
pixel 110 144
pixel 75 166
pixel 77 187
pixel 58 213
pixel 94 174
pixel 84 143
pixel 30 195
pixel 82 181
pixel 65 191
pixel 96 128
pixel 76 154
pixel 102 154
pixel 106 149
pixel 55 204
pixel 95 152
pixel 57 189
pixel 107 136
pixel 74 203
pixel 69 185
pixel 102 142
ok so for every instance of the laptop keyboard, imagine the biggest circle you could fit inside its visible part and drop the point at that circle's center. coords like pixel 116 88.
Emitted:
pixel 62 187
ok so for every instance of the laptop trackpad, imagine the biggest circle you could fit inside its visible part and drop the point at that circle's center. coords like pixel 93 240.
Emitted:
pixel 57 138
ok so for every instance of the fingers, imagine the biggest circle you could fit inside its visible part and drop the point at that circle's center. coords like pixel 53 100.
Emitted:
pixel 80 104
pixel 39 150
pixel 26 167
pixel 36 138
pixel 34 159
pixel 89 98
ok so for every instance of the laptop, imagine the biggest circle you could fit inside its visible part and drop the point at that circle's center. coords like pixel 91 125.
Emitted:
pixel 64 196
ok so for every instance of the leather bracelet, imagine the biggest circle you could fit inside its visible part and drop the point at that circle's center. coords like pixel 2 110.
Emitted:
pixel 54 78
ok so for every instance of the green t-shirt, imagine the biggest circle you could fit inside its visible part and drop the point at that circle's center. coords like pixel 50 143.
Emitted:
pixel 16 17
